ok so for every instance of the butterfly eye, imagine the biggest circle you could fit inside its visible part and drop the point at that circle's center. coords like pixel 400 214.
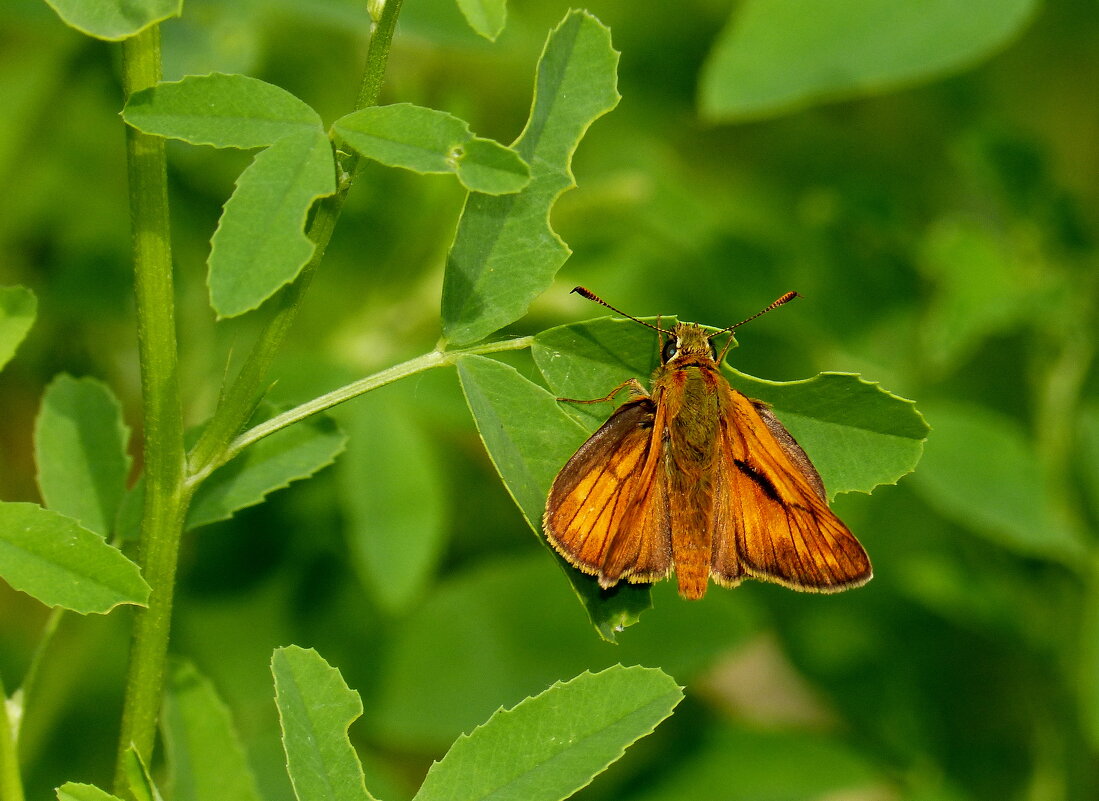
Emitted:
pixel 671 347
pixel 713 349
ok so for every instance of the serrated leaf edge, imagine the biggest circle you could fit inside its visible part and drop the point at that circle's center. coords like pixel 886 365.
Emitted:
pixel 501 710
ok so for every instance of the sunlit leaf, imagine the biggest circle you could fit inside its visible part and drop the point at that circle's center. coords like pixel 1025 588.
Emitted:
pixel 260 243
pixel 315 708
pixel 114 19
pixel 80 448
pixel 220 110
pixel 425 140
pixel 72 791
pixel 778 55
pixel 56 560
pixel 504 253
pixel 549 746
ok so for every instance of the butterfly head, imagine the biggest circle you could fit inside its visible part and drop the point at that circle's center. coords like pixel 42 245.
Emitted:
pixel 687 341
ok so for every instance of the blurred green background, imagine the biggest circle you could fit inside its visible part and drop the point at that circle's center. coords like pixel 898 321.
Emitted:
pixel 943 235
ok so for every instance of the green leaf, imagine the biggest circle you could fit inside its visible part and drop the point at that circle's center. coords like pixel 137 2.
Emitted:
pixel 315 709
pixel 260 243
pixel 549 746
pixel 80 448
pixel 293 453
pixel 138 777
pixel 857 434
pixel 72 791
pixel 529 438
pixel 425 140
pixel 18 307
pixel 996 289
pixel 768 765
pixel 981 471
pixel 204 754
pixel 780 55
pixel 391 489
pixel 486 17
pixel 114 20
pixel 220 110
pixel 505 253
pixel 56 560
pixel 488 167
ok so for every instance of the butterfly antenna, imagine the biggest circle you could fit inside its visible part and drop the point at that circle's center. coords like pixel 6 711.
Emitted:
pixel 587 293
pixel 774 305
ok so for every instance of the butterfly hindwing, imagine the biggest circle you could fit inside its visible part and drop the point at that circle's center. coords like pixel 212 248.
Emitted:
pixel 771 517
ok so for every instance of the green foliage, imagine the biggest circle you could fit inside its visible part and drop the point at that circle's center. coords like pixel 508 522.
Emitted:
pixel 793 765
pixel 260 244
pixel 944 240
pixel 71 791
pixel 80 448
pixel 775 56
pixel 139 781
pixel 391 487
pixel 271 464
pixel 220 111
pixel 980 469
pixel 486 17
pixel 315 708
pixel 17 310
pixel 556 742
pixel 428 141
pixel 59 562
pixel 505 253
pixel 114 19
pixel 202 745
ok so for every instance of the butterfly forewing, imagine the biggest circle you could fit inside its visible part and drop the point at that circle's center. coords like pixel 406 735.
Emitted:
pixel 607 511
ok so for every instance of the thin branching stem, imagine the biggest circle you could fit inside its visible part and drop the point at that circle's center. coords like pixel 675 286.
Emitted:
pixel 251 382
pixel 353 390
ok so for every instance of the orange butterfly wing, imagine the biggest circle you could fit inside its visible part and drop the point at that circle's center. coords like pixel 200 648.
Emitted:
pixel 771 515
pixel 607 511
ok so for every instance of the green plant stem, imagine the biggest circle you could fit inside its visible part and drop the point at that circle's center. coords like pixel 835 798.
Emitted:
pixel 251 382
pixel 11 785
pixel 319 404
pixel 166 497
pixel 378 54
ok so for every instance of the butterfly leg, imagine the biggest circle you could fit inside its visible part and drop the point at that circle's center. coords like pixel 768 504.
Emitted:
pixel 636 390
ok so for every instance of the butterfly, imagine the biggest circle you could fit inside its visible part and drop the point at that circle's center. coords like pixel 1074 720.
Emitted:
pixel 698 478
